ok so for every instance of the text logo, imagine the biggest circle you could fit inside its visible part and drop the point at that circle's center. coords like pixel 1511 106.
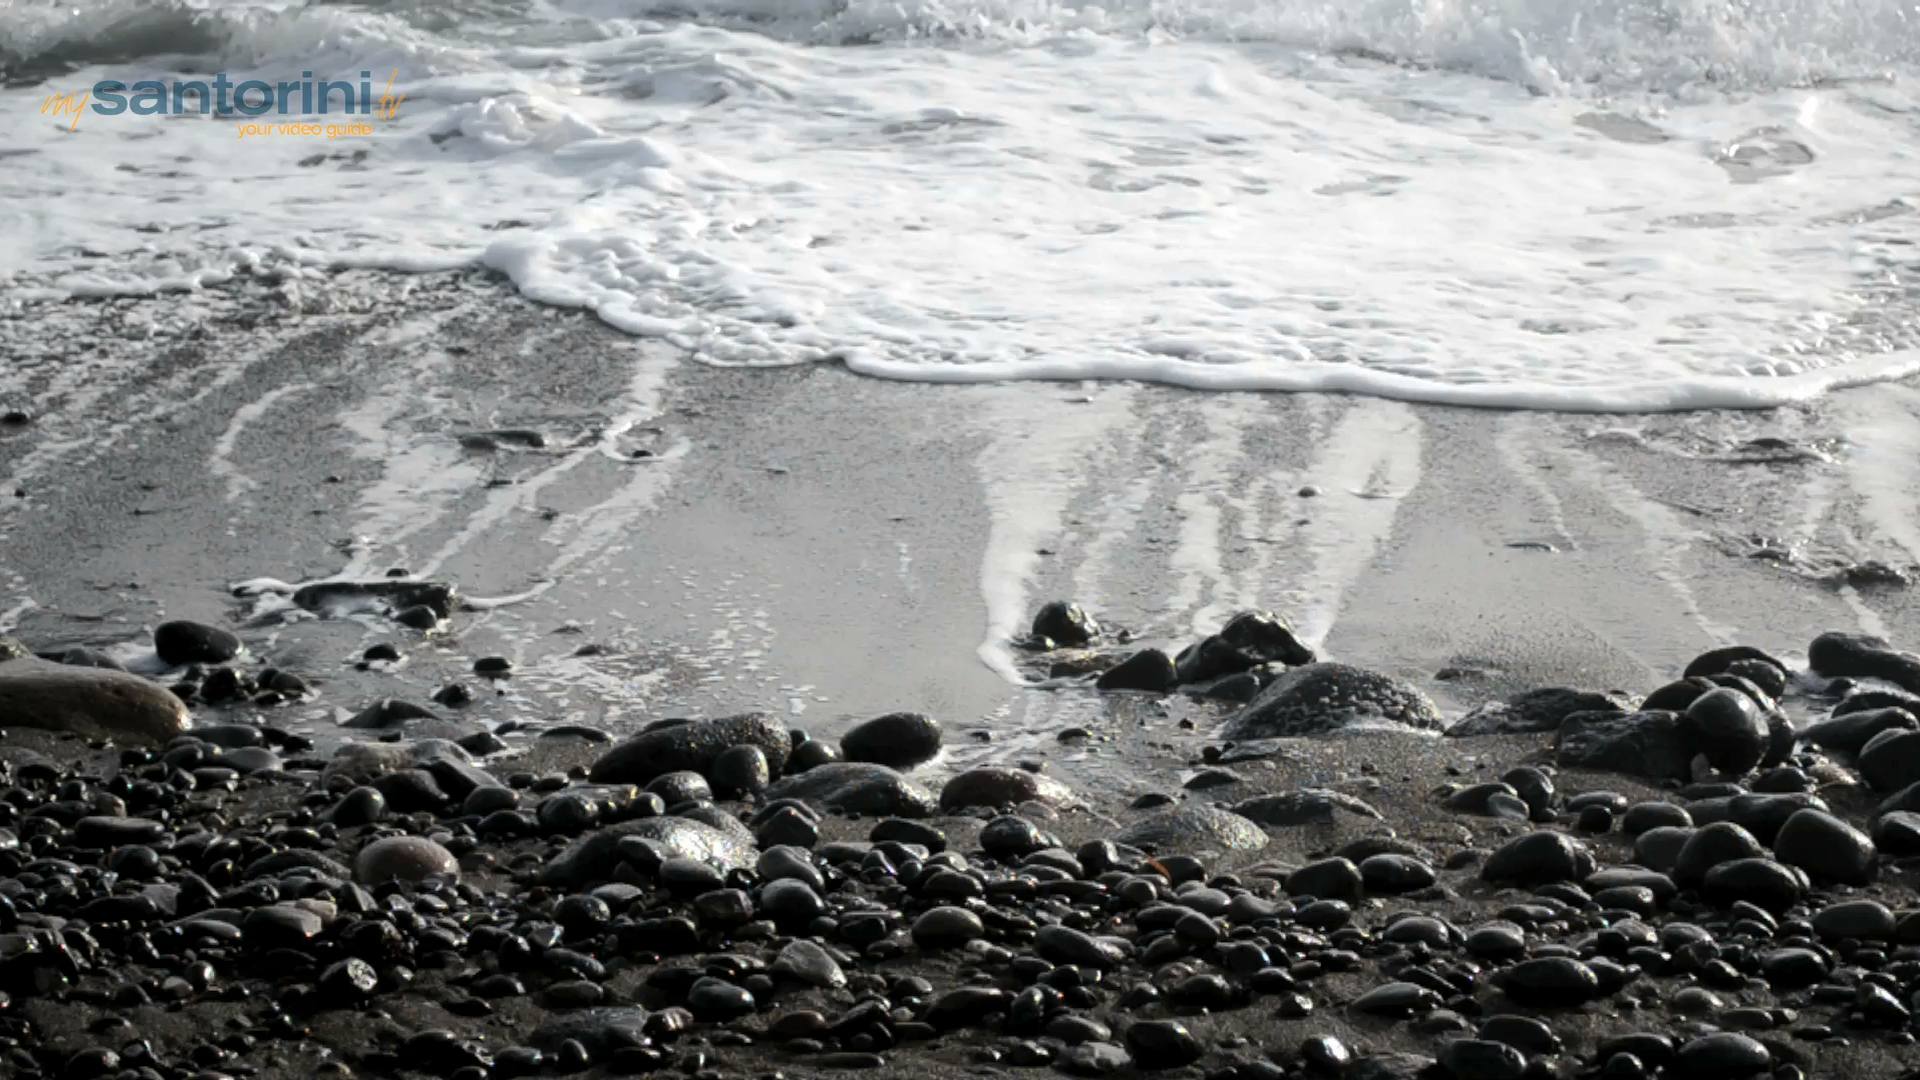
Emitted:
pixel 222 97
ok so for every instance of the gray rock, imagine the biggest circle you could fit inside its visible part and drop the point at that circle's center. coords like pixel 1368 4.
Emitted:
pixel 12 648
pixel 404 858
pixel 593 858
pixel 601 1031
pixel 897 740
pixel 388 713
pixel 1310 806
pixel 1645 744
pixel 1537 710
pixel 364 763
pixel 94 703
pixel 947 928
pixel 997 787
pixel 1325 697
pixel 852 787
pixel 810 964
pixel 1194 830
pixel 692 746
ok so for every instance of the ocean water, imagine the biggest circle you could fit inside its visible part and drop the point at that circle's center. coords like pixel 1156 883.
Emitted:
pixel 1606 205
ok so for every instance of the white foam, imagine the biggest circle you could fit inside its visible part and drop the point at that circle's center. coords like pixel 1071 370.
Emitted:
pixel 1195 193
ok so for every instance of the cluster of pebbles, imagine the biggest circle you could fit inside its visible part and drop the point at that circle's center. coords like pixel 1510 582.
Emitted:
pixel 729 898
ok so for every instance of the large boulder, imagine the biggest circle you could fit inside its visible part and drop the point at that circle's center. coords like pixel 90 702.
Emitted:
pixel 1322 698
pixel 1536 710
pixel 1850 732
pixel 93 702
pixel 594 857
pixel 1645 744
pixel 854 787
pixel 691 746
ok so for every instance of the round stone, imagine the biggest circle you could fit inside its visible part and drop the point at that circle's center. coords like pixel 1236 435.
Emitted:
pixel 897 740
pixel 947 928
pixel 404 858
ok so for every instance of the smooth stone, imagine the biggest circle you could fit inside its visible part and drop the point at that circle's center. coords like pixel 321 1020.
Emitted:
pixel 1065 945
pixel 1162 1044
pixel 1759 881
pixel 1065 623
pixel 1391 875
pixel 851 787
pixel 1722 1056
pixel 182 642
pixel 1552 981
pixel 1825 847
pixel 1149 671
pixel 1326 697
pixel 897 740
pixel 1007 837
pixel 1396 999
pixel 718 1001
pixel 1539 858
pixel 947 928
pixel 1860 919
pixel 1729 728
pixel 1891 759
pixel 387 713
pixel 692 747
pixel 780 863
pixel 1849 733
pixel 94 703
pixel 740 772
pixel 1835 654
pixel 110 832
pixel 684 785
pixel 996 787
pixel 594 857
pixel 601 1031
pixel 404 858
pixel 1194 830
pixel 810 964
pixel 1328 879
pixel 1709 846
pixel 1897 834
pixel 1654 815
pixel 1476 1059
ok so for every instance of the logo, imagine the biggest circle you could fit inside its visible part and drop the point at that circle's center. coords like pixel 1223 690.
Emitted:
pixel 222 97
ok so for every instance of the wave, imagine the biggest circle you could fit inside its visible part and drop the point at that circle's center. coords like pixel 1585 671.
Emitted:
pixel 1553 46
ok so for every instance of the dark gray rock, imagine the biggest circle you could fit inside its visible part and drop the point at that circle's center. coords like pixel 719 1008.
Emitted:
pixel 404 858
pixel 1193 830
pixel 1328 879
pixel 675 788
pixel 1326 697
pixel 852 787
pixel 1719 661
pixel 897 740
pixel 1537 710
pixel 1891 760
pixel 1065 623
pixel 1722 1056
pixel 691 746
pixel 92 702
pixel 1897 834
pixel 1825 847
pixel 1849 733
pixel 1729 728
pixel 1645 744
pixel 594 857
pixel 998 787
pixel 1709 846
pixel 1148 670
pixel 740 772
pixel 1539 858
pixel 947 928
pixel 1858 919
pixel 1477 1059
pixel 181 642
pixel 388 713
pixel 1835 654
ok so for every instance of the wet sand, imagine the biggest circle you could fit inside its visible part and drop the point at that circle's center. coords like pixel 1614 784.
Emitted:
pixel 834 547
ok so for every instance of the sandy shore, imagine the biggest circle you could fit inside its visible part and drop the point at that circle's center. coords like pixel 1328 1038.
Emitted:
pixel 835 547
